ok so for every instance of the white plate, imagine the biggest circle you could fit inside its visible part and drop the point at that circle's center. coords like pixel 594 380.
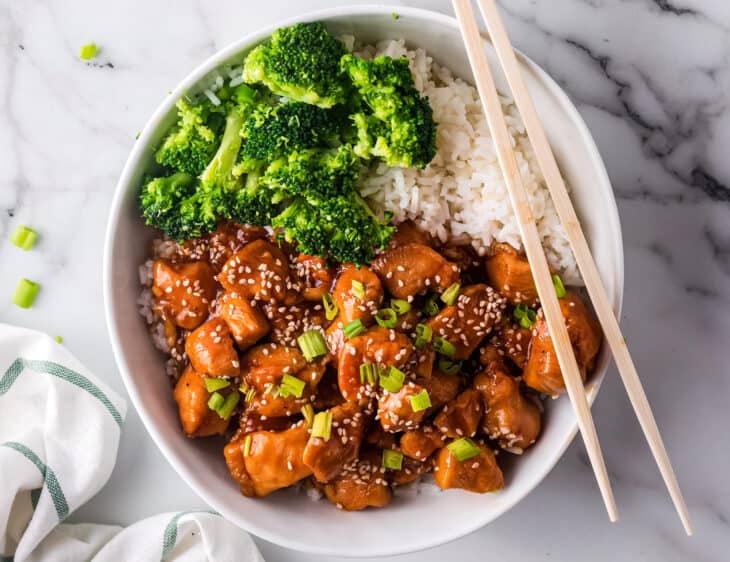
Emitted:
pixel 286 518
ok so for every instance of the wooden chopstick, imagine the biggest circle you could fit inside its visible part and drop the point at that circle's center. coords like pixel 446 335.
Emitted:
pixel 533 247
pixel 586 264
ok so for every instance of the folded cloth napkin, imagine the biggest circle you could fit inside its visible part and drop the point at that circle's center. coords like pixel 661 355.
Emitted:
pixel 59 434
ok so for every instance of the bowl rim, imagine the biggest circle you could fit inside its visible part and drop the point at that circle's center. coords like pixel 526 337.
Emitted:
pixel 612 217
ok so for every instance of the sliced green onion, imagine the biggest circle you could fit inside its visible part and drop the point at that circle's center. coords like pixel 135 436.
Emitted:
pixel 394 15
pixel 443 346
pixel 215 401
pixel 392 460
pixel 58 339
pixel 519 312
pixel 230 403
pixel 88 51
pixel 322 425
pixel 247 445
pixel 358 289
pixel 400 306
pixel 463 449
pixel 369 373
pixel 386 318
pixel 291 386
pixel 559 287
pixel 25 293
pixel 312 344
pixel 213 383
pixel 449 367
pixel 528 319
pixel 308 413
pixel 250 395
pixel 420 401
pixel 423 335
pixel 431 308
pixel 354 328
pixel 450 295
pixel 330 307
pixel 24 237
pixel 392 380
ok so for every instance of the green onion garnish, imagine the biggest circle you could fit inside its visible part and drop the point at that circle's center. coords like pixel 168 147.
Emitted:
pixel 213 383
pixel 395 16
pixel 230 403
pixel 449 367
pixel 308 413
pixel 559 287
pixel 450 295
pixel 88 51
pixel 421 401
pixel 392 460
pixel 25 293
pixel 250 395
pixel 392 380
pixel 322 425
pixel 444 347
pixel 423 335
pixel 463 449
pixel 400 306
pixel 354 328
pixel 291 386
pixel 330 307
pixel 358 289
pixel 386 318
pixel 215 401
pixel 519 312
pixel 312 344
pixel 431 308
pixel 24 237
pixel 247 445
pixel 528 319
pixel 369 373
pixel 58 339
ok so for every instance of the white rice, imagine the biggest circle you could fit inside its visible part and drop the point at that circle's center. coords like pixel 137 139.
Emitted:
pixel 461 195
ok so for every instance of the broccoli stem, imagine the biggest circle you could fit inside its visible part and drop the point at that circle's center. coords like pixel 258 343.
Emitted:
pixel 225 157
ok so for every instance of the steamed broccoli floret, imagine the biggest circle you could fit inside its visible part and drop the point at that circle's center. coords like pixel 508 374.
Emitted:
pixel 172 205
pixel 272 132
pixel 343 228
pixel 397 121
pixel 193 140
pixel 315 173
pixel 301 62
pixel 255 204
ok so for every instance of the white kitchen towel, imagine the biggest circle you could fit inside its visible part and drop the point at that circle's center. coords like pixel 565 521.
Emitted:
pixel 59 434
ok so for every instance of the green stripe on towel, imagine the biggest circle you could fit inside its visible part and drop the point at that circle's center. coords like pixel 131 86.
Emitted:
pixel 169 537
pixel 49 477
pixel 51 368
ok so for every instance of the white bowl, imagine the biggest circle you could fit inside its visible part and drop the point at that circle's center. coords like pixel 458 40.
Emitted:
pixel 287 518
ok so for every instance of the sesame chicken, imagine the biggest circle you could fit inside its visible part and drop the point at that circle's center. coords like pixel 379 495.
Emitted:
pixel 350 303
pixel 413 269
pixel 259 271
pixel 246 322
pixel 509 272
pixel 479 474
pixel 196 418
pixel 210 349
pixel 184 291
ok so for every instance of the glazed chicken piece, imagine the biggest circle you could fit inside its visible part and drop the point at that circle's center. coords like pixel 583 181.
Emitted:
pixel 274 459
pixel 395 410
pixel 247 323
pixel 407 322
pixel 289 322
pixel 361 484
pixel 410 471
pixel 413 269
pixel 263 368
pixel 327 458
pixel 315 277
pixel 192 400
pixel 349 304
pixel 512 341
pixel 421 362
pixel 184 291
pixel 211 351
pixel 229 238
pixel 461 416
pixel 441 388
pixel 466 323
pixel 478 474
pixel 258 271
pixel 248 423
pixel 420 443
pixel 542 371
pixel 409 233
pixel 510 419
pixel 381 346
pixel 509 272
pixel 380 439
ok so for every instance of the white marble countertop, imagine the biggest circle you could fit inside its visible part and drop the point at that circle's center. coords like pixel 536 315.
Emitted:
pixel 651 78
